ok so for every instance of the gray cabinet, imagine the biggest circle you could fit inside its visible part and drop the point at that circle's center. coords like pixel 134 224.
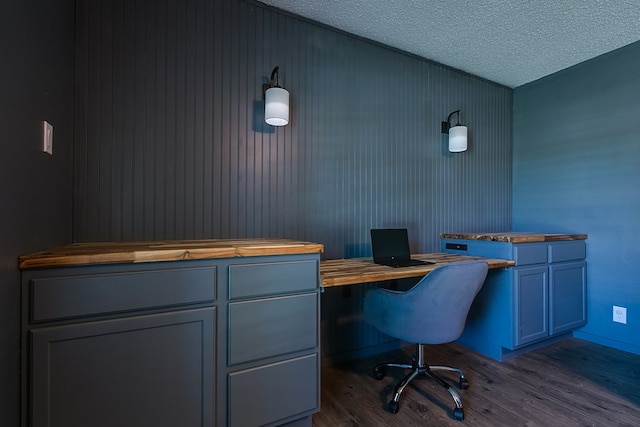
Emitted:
pixel 273 341
pixel 120 345
pixel 542 297
pixel 549 289
pixel 220 342
pixel 139 370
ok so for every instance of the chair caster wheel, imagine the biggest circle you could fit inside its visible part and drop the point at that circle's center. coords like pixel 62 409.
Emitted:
pixel 393 407
pixel 378 373
pixel 458 414
pixel 463 384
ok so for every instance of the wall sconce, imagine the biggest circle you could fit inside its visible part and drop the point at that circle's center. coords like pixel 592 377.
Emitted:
pixel 276 102
pixel 457 134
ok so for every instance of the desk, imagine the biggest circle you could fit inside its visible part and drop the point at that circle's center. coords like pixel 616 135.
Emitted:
pixel 341 272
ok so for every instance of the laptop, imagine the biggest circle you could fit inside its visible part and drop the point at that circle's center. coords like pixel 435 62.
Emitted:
pixel 390 246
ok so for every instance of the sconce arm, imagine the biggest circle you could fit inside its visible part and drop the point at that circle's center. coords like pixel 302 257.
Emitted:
pixel 274 73
pixel 447 125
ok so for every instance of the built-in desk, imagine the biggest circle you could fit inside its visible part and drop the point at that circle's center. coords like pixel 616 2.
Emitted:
pixel 351 271
pixel 345 334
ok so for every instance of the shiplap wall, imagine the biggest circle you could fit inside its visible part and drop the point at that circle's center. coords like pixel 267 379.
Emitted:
pixel 170 141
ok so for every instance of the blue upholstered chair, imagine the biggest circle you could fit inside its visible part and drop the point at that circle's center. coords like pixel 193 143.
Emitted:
pixel 434 311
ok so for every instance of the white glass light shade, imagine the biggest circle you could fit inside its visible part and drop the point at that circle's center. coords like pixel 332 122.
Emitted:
pixel 276 106
pixel 458 139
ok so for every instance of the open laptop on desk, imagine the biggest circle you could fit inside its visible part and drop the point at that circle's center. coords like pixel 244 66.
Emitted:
pixel 390 246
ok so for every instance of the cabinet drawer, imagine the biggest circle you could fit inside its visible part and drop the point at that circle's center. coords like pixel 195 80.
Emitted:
pixel 75 296
pixel 249 280
pixel 271 327
pixel 567 251
pixel 273 392
pixel 530 253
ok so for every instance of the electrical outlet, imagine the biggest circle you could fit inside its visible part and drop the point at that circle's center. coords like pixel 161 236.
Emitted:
pixel 620 314
pixel 47 137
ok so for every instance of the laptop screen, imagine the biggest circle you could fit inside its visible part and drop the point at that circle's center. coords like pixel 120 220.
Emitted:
pixel 390 243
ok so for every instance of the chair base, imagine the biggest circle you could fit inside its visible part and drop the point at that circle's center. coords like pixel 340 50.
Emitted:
pixel 418 367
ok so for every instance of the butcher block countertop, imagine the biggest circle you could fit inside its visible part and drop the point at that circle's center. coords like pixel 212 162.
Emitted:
pixel 340 272
pixel 135 252
pixel 514 237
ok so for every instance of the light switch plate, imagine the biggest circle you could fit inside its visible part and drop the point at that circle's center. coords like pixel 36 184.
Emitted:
pixel 47 137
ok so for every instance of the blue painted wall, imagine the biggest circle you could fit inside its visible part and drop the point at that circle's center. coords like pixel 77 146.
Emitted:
pixel 576 168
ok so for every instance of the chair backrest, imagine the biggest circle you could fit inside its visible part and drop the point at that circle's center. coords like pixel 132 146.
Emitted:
pixel 434 311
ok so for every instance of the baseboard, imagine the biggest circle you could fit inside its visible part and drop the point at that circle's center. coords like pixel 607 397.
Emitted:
pixel 510 354
pixel 597 339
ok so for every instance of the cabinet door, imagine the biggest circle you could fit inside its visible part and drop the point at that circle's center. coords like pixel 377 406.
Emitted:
pixel 567 296
pixel 531 307
pixel 153 370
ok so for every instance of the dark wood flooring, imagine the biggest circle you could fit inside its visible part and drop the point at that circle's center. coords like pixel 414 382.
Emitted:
pixel 570 383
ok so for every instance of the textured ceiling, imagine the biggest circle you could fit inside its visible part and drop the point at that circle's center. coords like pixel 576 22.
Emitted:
pixel 511 42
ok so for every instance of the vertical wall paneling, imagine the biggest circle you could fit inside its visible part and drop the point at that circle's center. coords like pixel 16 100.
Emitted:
pixel 170 141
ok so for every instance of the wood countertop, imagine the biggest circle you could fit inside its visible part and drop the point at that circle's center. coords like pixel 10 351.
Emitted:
pixel 135 252
pixel 340 272
pixel 514 237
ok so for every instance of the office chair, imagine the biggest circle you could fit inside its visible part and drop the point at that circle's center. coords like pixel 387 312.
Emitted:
pixel 434 311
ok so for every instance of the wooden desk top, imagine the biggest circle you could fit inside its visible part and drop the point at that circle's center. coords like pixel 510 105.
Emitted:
pixel 134 252
pixel 340 272
pixel 515 237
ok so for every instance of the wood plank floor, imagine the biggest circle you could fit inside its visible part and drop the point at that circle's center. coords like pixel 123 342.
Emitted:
pixel 570 383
